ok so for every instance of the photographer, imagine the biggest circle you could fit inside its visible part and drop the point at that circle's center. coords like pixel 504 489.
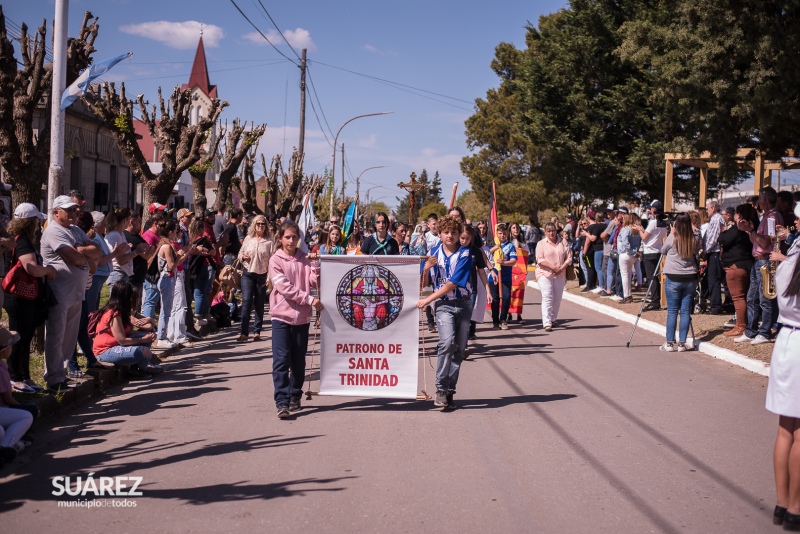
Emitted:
pixel 652 239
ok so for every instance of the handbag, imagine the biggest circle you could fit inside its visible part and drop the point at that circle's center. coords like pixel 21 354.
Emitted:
pixel 570 272
pixel 614 255
pixel 19 283
pixel 231 275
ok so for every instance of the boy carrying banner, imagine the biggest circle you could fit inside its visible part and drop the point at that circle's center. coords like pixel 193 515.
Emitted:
pixel 448 269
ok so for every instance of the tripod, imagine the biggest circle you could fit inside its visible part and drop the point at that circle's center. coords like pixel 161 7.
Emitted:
pixel 657 273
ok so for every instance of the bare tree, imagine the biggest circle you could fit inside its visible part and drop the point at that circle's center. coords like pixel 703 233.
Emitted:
pixel 177 140
pixel 285 199
pixel 25 155
pixel 245 183
pixel 238 143
pixel 198 173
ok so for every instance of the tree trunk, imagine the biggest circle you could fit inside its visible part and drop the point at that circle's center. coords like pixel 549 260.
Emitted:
pixel 199 187
pixel 28 181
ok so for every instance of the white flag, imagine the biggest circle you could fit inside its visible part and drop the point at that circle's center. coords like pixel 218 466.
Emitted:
pixel 307 220
pixel 89 75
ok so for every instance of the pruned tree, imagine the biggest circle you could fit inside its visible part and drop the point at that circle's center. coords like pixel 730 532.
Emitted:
pixel 245 183
pixel 285 190
pixel 198 173
pixel 238 143
pixel 24 153
pixel 177 140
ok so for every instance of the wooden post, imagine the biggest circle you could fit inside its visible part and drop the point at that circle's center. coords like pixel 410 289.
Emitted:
pixel 758 169
pixel 703 186
pixel 668 186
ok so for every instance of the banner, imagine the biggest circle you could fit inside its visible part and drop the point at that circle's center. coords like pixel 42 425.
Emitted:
pixel 369 331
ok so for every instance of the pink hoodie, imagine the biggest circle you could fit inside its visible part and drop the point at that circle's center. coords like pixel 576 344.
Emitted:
pixel 292 279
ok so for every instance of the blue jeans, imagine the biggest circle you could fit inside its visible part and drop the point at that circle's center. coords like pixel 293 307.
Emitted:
pixel 93 294
pixel 289 347
pixel 128 355
pixel 679 300
pixel 149 299
pixel 115 277
pixel 254 291
pixel 584 268
pixel 611 270
pixel 201 286
pixel 452 320
pixel 84 341
pixel 166 287
pixel 759 306
pixel 499 316
pixel 598 267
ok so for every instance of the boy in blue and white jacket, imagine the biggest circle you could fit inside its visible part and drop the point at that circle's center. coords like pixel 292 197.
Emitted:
pixel 448 269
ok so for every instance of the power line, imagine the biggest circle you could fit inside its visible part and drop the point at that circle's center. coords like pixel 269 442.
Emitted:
pixel 278 29
pixel 211 71
pixel 314 90
pixel 262 35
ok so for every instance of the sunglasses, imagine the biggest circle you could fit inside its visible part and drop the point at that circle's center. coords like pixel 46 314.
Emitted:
pixel 261 224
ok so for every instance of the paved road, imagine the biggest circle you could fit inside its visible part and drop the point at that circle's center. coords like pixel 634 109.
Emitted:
pixel 560 432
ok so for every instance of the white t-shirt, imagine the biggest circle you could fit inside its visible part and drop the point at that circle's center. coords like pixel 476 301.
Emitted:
pixel 652 245
pixel 432 240
pixel 113 239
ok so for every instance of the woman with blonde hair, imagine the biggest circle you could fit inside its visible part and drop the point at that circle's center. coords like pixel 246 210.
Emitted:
pixel 257 249
pixel 553 255
pixel 333 245
pixel 680 250
pixel 628 244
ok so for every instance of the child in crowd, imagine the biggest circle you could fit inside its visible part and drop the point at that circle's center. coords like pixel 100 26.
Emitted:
pixel 449 268
pixel 15 419
pixel 480 292
pixel 504 264
pixel 114 340
pixel 293 275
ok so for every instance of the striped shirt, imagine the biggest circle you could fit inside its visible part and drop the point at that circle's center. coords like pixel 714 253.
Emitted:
pixel 456 268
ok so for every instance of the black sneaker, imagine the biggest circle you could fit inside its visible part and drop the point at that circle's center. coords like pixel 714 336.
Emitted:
pixel 730 323
pixel 586 289
pixel 432 329
pixel 465 357
pixel 473 337
pixel 652 307
pixel 451 404
pixel 283 411
pixel 60 387
pixel 192 334
pixel 496 326
pixel 440 401
pixel 294 404
pixel 8 454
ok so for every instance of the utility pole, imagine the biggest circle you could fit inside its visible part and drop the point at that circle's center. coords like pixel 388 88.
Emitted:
pixel 342 172
pixel 301 143
pixel 55 181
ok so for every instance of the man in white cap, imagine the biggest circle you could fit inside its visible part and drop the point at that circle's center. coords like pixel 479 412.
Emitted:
pixel 69 250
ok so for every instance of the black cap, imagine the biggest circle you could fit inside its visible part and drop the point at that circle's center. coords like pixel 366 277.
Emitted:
pixel 570 216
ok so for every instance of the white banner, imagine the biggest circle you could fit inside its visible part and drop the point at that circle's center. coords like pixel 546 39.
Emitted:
pixel 369 331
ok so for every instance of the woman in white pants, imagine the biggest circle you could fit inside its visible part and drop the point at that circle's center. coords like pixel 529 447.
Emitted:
pixel 553 255
pixel 628 244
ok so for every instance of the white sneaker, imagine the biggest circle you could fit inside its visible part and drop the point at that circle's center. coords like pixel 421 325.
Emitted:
pixel 742 339
pixel 617 298
pixel 200 321
pixel 598 289
pixel 759 339
pixel 681 347
pixel 163 344
pixel 667 347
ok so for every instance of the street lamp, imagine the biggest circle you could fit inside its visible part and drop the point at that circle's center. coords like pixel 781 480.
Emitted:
pixel 335 142
pixel 358 178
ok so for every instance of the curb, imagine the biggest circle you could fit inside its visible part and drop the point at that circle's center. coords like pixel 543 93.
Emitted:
pixel 720 353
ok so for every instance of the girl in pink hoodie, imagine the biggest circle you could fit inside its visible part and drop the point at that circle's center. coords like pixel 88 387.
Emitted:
pixel 293 275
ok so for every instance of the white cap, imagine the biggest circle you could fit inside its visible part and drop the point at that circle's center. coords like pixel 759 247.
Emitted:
pixel 26 210
pixel 98 217
pixel 62 202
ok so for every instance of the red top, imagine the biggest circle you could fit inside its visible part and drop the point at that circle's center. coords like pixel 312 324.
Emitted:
pixel 105 338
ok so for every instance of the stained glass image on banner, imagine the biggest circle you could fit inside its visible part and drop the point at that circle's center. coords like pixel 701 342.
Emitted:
pixel 369 297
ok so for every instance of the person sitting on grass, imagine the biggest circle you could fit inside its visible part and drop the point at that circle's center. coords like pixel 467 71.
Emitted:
pixel 449 268
pixel 114 340
pixel 15 418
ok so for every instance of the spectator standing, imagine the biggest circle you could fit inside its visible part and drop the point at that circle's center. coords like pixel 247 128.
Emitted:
pixel 24 316
pixel 139 261
pixel 293 275
pixel 653 238
pixel 736 259
pixel 255 254
pixel 628 244
pixel 681 250
pixel 594 250
pixel 716 225
pixel 584 261
pixel 218 224
pixel 183 281
pixel 532 236
pixel 200 270
pixel 231 230
pixel 168 261
pixel 151 296
pixel 760 307
pixel 68 249
pixel 115 223
pixel 553 255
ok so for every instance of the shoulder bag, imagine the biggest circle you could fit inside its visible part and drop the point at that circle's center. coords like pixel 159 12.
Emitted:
pixel 19 283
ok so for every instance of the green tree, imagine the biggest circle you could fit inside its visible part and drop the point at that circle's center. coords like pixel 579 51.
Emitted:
pixel 435 189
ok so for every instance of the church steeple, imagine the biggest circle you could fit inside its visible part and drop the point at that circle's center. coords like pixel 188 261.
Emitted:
pixel 199 76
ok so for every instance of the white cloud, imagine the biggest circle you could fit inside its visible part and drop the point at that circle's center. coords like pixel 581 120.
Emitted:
pixel 182 35
pixel 375 50
pixel 369 142
pixel 298 38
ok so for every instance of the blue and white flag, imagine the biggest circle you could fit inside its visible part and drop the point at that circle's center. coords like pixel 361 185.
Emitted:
pixel 89 75
pixel 307 220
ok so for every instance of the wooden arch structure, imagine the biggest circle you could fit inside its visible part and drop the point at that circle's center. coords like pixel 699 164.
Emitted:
pixel 748 159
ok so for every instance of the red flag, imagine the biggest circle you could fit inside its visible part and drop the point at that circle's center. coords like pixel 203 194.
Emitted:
pixel 491 236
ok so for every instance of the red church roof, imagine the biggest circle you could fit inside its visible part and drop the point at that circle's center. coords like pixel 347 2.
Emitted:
pixel 146 143
pixel 199 77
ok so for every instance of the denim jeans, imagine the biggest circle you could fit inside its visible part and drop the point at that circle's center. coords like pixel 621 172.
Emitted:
pixel 84 341
pixel 679 300
pixel 452 320
pixel 176 328
pixel 611 275
pixel 115 277
pixel 93 294
pixel 759 306
pixel 254 291
pixel 166 288
pixel 136 355
pixel 201 287
pixel 150 299
pixel 584 268
pixel 289 347
pixel 598 267
pixel 499 316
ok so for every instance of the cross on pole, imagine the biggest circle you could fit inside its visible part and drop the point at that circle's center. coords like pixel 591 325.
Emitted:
pixel 412 187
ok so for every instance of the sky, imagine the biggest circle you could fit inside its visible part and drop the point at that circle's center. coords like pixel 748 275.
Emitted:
pixel 439 50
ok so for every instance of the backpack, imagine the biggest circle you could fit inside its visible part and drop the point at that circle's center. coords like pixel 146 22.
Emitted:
pixel 94 322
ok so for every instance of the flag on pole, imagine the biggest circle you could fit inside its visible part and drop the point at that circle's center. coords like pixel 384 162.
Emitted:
pixel 89 75
pixel 347 223
pixel 491 236
pixel 307 219
pixel 453 197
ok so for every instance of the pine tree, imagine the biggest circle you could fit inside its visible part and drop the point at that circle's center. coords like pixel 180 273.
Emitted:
pixel 435 189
